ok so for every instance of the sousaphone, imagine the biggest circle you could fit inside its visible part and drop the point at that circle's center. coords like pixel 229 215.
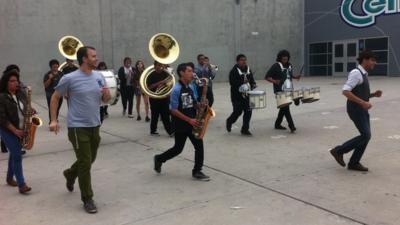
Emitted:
pixel 68 47
pixel 164 49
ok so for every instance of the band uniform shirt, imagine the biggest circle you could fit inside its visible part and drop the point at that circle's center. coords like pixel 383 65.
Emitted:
pixel 153 78
pixel 357 82
pixel 277 73
pixel 84 97
pixel 50 89
pixel 69 69
pixel 183 98
pixel 236 80
pixel 203 71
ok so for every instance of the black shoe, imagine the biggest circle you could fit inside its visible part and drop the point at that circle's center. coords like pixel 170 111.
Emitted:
pixel 23 152
pixel 200 176
pixel 124 113
pixel 4 150
pixel 338 157
pixel 296 102
pixel 147 119
pixel 172 134
pixel 139 118
pixel 157 165
pixel 293 129
pixel 280 127
pixel 246 133
pixel 70 182
pixel 155 133
pixel 89 206
pixel 357 167
pixel 228 126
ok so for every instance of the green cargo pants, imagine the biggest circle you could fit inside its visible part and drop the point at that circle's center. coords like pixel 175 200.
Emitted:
pixel 85 141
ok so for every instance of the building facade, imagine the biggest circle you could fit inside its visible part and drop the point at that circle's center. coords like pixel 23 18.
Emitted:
pixel 337 30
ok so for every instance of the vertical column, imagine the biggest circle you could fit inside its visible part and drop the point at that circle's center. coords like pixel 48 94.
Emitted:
pixel 237 20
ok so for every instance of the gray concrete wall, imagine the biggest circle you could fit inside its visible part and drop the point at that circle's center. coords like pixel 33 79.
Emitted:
pixel 30 30
pixel 323 24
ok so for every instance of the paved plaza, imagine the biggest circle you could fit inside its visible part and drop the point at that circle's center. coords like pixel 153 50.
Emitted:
pixel 273 177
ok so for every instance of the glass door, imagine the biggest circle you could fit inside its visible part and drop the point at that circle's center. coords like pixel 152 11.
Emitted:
pixel 344 57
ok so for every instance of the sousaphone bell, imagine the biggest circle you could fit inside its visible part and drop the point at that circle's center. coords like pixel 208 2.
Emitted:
pixel 164 49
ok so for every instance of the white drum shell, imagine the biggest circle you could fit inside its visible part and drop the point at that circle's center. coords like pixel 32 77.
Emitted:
pixel 258 99
pixel 283 99
pixel 112 84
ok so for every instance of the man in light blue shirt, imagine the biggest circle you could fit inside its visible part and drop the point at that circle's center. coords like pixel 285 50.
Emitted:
pixel 85 89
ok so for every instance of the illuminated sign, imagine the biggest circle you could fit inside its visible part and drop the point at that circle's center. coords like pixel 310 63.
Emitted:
pixel 370 10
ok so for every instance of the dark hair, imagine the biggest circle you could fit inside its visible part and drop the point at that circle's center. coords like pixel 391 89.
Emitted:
pixel 281 54
pixel 126 59
pixel 83 52
pixel 365 54
pixel 101 64
pixel 6 77
pixel 199 55
pixel 11 67
pixel 156 62
pixel 137 63
pixel 182 68
pixel 191 64
pixel 53 62
pixel 238 57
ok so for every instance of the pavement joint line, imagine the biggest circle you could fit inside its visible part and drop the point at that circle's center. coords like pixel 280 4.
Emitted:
pixel 61 151
pixel 181 208
pixel 284 194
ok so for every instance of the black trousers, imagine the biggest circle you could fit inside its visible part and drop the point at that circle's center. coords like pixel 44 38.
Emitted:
pixel 240 107
pixel 160 107
pixel 180 140
pixel 129 99
pixel 284 112
pixel 3 146
pixel 360 117
pixel 48 98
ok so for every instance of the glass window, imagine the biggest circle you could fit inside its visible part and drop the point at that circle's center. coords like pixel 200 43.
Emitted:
pixel 339 50
pixel 318 70
pixel 352 49
pixel 338 67
pixel 318 48
pixel 381 56
pixel 361 44
pixel 379 70
pixel 330 70
pixel 376 44
pixel 351 66
pixel 330 59
pixel 330 47
pixel 318 59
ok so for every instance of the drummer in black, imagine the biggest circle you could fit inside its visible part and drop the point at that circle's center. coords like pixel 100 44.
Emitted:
pixel 241 80
pixel 281 75
pixel 159 106
pixel 357 91
pixel 183 109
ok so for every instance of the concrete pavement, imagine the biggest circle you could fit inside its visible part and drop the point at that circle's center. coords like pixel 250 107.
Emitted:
pixel 273 177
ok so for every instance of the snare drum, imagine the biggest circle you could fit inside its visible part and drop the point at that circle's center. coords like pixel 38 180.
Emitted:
pixel 297 94
pixel 314 95
pixel 112 84
pixel 258 99
pixel 308 95
pixel 283 99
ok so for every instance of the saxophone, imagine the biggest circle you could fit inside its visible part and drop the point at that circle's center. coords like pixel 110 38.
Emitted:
pixel 30 122
pixel 204 112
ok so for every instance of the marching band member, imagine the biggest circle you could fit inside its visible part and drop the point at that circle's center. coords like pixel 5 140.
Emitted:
pixel 50 81
pixel 125 76
pixel 241 80
pixel 357 91
pixel 86 89
pixel 183 108
pixel 159 106
pixel 281 75
pixel 13 102
pixel 203 69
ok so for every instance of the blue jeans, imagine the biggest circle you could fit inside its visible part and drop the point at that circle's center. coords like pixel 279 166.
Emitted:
pixel 13 145
pixel 360 117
